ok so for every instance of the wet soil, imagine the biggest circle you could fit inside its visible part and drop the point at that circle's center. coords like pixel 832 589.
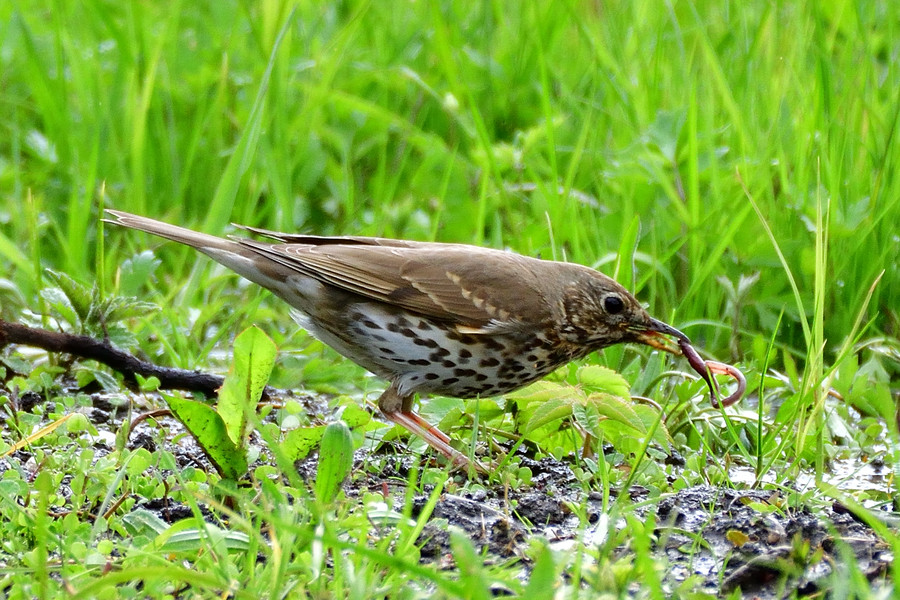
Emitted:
pixel 756 541
pixel 730 539
pixel 725 539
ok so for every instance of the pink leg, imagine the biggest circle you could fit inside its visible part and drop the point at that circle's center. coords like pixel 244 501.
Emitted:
pixel 435 438
pixel 392 407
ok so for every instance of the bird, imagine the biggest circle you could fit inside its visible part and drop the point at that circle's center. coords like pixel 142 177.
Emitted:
pixel 432 318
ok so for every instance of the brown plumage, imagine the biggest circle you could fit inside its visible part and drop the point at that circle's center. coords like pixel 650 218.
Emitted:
pixel 433 318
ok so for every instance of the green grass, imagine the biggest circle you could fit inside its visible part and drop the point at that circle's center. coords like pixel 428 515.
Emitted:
pixel 682 147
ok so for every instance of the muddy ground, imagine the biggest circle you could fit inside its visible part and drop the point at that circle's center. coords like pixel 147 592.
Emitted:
pixel 754 540
pixel 730 539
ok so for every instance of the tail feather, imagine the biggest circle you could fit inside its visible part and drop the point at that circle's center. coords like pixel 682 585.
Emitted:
pixel 195 239
pixel 243 259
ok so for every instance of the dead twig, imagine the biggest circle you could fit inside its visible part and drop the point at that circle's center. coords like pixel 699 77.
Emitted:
pixel 125 363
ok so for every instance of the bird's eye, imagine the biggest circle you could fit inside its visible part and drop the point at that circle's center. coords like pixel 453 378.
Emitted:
pixel 613 305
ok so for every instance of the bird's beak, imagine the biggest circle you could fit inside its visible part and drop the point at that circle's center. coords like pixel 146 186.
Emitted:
pixel 653 335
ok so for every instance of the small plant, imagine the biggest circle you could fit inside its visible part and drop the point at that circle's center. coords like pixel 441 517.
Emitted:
pixel 335 460
pixel 598 407
pixel 84 311
pixel 298 442
pixel 222 431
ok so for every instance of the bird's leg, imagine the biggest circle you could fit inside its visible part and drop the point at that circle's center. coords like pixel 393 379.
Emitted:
pixel 398 409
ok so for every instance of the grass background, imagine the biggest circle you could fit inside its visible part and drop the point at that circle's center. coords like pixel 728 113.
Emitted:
pixel 625 135
pixel 734 164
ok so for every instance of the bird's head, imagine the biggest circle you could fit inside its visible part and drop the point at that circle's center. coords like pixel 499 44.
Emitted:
pixel 598 312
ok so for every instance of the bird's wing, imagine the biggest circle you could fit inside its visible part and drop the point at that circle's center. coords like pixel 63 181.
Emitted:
pixel 343 240
pixel 477 287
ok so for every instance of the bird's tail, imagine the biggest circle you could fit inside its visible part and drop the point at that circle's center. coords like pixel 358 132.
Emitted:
pixel 196 239
pixel 245 259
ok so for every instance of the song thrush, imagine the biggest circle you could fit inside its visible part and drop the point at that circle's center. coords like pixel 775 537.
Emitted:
pixel 432 318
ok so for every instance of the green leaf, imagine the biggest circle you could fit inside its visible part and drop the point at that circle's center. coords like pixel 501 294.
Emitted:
pixel 354 415
pixel 16 364
pixel 439 407
pixel 487 409
pixel 208 428
pixel 335 460
pixel 246 148
pixel 471 566
pixel 140 460
pixel 119 335
pixel 120 308
pixel 596 378
pixel 147 384
pixel 143 522
pixel 79 295
pixel 62 306
pixel 297 443
pixel 122 435
pixel 551 410
pixel 638 419
pixel 617 409
pixel 650 415
pixel 189 535
pixel 539 392
pixel 84 376
pixel 543 580
pixel 254 357
pixel 588 417
pixel 137 271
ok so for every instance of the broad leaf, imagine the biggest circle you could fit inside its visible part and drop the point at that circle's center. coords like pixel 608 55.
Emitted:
pixel 137 271
pixel 638 419
pixel 617 409
pixel 354 415
pixel 121 308
pixel 79 295
pixel 141 521
pixel 335 460
pixel 208 428
pixel 650 415
pixel 588 417
pixel 540 391
pixel 438 407
pixel 596 378
pixel 297 443
pixel 192 536
pixel 62 306
pixel 551 410
pixel 254 357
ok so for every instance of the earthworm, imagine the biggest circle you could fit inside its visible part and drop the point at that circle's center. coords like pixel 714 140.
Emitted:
pixel 704 368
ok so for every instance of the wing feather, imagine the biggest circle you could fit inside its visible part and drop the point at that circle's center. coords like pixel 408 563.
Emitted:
pixel 475 286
